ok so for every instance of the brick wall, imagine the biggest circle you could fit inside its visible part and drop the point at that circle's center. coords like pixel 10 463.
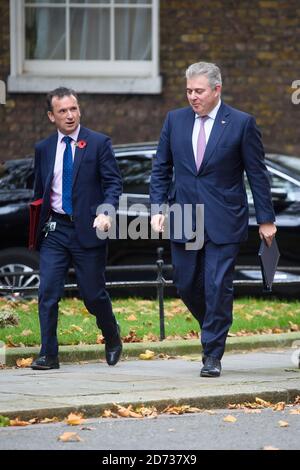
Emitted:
pixel 257 45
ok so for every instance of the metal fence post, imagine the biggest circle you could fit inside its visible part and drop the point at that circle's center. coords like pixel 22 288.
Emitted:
pixel 160 292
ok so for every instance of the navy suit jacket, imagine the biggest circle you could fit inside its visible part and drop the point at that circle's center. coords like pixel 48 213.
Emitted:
pixel 234 145
pixel 96 180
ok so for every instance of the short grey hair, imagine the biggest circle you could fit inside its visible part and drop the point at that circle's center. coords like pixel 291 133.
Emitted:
pixel 212 72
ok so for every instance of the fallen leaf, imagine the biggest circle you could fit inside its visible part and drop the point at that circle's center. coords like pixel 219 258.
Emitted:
pixel 280 406
pixel 294 326
pixel 262 402
pixel 69 437
pixel 74 419
pixel 26 333
pixel 147 412
pixel 18 422
pixel 277 330
pixel 131 318
pixel 169 315
pixel 178 410
pixel 106 414
pixel 295 412
pixel 131 337
pixel 150 337
pixel 283 424
pixel 124 412
pixel 49 420
pixel 76 328
pixel 24 362
pixel 147 355
pixel 229 419
pixel 100 339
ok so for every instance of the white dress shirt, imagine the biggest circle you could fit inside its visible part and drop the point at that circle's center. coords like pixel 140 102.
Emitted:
pixel 56 187
pixel 208 124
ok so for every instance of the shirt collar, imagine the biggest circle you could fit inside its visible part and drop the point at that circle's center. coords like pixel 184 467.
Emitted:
pixel 213 112
pixel 74 134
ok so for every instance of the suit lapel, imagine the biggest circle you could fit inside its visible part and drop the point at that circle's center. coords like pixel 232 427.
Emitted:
pixel 221 122
pixel 79 152
pixel 50 161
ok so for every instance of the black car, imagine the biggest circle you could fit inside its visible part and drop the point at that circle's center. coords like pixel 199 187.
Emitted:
pixel 135 161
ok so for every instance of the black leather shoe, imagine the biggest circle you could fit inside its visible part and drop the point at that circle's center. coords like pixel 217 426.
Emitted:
pixel 113 349
pixel 212 367
pixel 45 363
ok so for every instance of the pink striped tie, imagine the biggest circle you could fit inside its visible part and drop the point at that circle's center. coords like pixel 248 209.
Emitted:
pixel 201 142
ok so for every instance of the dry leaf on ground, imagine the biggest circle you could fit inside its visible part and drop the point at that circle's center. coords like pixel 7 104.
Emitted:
pixel 179 410
pixel 131 318
pixel 73 419
pixel 283 424
pixel 295 412
pixel 18 422
pixel 280 406
pixel 69 437
pixel 229 419
pixel 24 362
pixel 49 420
pixel 147 355
pixel 26 332
pixel 262 402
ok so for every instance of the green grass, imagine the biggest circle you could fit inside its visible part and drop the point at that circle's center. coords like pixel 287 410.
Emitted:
pixel 139 320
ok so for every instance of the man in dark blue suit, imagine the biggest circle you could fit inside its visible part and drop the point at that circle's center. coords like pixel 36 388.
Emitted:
pixel 75 172
pixel 202 154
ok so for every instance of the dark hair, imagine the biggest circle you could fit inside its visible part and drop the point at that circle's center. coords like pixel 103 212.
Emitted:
pixel 60 93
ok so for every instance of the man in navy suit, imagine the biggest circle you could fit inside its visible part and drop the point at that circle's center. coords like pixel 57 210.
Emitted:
pixel 75 172
pixel 202 154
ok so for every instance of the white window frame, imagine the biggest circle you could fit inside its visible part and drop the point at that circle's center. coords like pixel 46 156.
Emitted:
pixel 34 76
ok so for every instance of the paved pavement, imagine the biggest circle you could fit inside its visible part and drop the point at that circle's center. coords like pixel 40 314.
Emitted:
pixel 90 387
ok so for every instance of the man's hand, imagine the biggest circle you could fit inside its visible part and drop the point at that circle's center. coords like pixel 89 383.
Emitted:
pixel 267 231
pixel 157 222
pixel 102 222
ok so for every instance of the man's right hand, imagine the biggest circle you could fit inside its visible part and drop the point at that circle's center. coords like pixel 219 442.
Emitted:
pixel 157 222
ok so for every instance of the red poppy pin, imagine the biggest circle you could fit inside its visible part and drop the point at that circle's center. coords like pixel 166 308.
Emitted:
pixel 81 144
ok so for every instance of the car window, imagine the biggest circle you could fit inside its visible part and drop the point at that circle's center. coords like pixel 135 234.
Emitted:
pixel 17 174
pixel 136 171
pixel 282 189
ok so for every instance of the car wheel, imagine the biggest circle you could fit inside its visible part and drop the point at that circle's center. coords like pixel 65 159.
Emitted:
pixel 22 262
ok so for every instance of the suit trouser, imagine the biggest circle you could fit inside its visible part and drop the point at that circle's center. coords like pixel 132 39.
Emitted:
pixel 204 279
pixel 58 250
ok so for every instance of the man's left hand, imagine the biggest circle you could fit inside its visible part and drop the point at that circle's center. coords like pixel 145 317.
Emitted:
pixel 267 231
pixel 102 222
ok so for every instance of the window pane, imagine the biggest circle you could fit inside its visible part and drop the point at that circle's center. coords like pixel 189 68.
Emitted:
pixel 84 2
pixel 133 34
pixel 135 171
pixel 144 2
pixel 90 34
pixel 45 33
pixel 45 1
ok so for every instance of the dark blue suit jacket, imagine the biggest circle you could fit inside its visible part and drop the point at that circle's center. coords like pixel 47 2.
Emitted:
pixel 96 180
pixel 234 145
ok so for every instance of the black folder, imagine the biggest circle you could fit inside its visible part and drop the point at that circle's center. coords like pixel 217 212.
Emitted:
pixel 268 257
